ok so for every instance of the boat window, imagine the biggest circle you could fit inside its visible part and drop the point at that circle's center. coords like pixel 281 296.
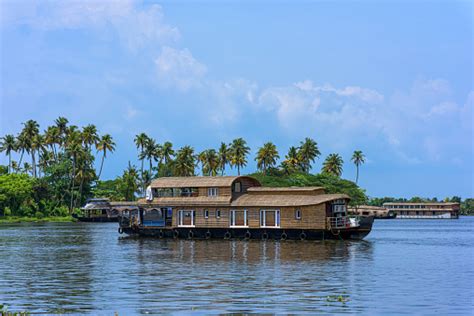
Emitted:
pixel 298 214
pixel 218 213
pixel 186 218
pixel 238 218
pixel 212 192
pixel 206 213
pixel 238 187
pixel 270 218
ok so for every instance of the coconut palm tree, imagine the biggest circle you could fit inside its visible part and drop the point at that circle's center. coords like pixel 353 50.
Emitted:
pixel 151 152
pixel 73 147
pixel 105 144
pixel 210 162
pixel 167 152
pixel 51 138
pixel 89 136
pixel 61 124
pixel 140 141
pixel 22 145
pixel 333 165
pixel 223 155
pixel 291 162
pixel 307 153
pixel 358 159
pixel 201 158
pixel 7 145
pixel 267 156
pixel 30 131
pixel 131 183
pixel 185 162
pixel 238 153
pixel 37 146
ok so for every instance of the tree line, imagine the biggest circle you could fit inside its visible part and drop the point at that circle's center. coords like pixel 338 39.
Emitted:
pixel 58 165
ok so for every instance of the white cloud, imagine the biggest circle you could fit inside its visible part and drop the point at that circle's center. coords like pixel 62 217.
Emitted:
pixel 135 25
pixel 179 69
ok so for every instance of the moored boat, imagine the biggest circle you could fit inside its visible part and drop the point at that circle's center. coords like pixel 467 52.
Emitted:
pixel 239 207
pixel 103 210
pixel 376 211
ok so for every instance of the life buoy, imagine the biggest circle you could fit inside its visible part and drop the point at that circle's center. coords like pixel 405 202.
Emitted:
pixel 264 236
pixel 175 234
pixel 227 235
pixel 248 235
pixel 208 234
pixel 120 230
pixel 161 234
pixel 284 236
pixel 303 236
pixel 190 234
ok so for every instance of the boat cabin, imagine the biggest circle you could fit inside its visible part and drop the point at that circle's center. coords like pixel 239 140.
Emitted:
pixel 237 206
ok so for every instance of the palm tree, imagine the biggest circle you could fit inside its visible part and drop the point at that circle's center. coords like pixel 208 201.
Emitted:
pixel 201 158
pixel 307 153
pixel 141 141
pixel 7 145
pixel 61 124
pixel 74 148
pixel 333 165
pixel 90 136
pixel 22 145
pixel 185 162
pixel 358 159
pixel 210 162
pixel 130 181
pixel 167 152
pixel 51 138
pixel 151 152
pixel 37 146
pixel 105 144
pixel 291 162
pixel 30 131
pixel 267 156
pixel 238 153
pixel 223 155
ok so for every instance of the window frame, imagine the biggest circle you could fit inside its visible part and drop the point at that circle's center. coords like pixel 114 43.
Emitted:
pixel 218 213
pixel 212 192
pixel 232 218
pixel 206 214
pixel 298 214
pixel 181 217
pixel 263 218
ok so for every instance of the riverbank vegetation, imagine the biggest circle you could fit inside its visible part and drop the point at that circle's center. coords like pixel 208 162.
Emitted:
pixel 55 170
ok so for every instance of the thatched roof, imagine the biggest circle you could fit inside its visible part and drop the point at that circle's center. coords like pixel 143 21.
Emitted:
pixel 273 200
pixel 196 182
pixel 188 201
pixel 286 190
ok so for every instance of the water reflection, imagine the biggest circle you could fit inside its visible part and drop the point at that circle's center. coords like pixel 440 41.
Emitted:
pixel 85 268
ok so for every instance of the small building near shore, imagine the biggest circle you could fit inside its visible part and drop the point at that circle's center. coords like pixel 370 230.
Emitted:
pixel 432 210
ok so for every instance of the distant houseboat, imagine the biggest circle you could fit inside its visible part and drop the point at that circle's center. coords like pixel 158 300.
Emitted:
pixel 102 210
pixel 375 211
pixel 429 210
pixel 239 207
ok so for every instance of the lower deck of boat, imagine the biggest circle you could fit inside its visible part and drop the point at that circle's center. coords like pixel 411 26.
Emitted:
pixel 245 233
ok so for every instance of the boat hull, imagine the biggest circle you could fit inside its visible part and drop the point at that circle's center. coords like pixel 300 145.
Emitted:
pixel 103 219
pixel 355 233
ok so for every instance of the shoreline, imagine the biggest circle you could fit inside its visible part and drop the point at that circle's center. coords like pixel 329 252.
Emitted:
pixel 51 219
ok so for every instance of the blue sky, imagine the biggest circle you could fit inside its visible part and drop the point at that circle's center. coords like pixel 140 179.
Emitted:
pixel 393 79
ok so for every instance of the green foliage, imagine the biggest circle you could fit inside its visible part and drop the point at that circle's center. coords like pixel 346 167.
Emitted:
pixel 467 207
pixel 108 189
pixel 16 191
pixel 7 211
pixel 330 183
pixel 3 169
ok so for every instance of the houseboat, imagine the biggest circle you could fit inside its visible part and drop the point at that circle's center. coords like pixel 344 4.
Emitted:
pixel 424 210
pixel 376 211
pixel 102 210
pixel 239 207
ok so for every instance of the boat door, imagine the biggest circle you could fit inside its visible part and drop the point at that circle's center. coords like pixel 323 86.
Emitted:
pixel 168 213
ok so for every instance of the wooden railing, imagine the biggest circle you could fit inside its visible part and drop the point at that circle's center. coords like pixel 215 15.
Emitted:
pixel 343 222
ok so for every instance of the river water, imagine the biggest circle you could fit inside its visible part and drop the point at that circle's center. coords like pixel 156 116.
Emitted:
pixel 403 267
